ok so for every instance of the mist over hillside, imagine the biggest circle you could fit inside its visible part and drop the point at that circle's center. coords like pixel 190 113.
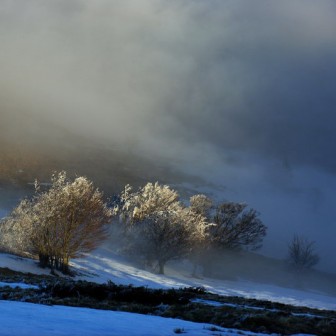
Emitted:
pixel 41 148
pixel 232 98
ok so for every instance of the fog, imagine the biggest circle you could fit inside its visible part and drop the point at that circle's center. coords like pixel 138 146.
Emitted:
pixel 239 93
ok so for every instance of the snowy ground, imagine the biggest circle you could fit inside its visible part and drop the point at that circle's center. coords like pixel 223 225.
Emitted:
pixel 31 319
pixel 17 285
pixel 27 319
pixel 104 265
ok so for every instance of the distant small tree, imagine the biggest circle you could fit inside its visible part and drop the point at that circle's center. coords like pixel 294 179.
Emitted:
pixel 64 222
pixel 302 254
pixel 157 226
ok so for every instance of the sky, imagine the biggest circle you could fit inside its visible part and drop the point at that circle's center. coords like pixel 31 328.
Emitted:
pixel 239 92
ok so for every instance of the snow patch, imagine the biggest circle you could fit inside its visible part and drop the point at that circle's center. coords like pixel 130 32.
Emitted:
pixel 27 319
pixel 18 285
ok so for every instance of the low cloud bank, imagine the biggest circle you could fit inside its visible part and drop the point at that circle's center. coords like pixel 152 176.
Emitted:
pixel 240 92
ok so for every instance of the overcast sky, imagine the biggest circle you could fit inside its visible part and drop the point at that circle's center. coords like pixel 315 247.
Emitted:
pixel 243 92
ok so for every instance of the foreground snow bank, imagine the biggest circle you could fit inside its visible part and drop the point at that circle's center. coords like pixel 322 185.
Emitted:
pixel 27 319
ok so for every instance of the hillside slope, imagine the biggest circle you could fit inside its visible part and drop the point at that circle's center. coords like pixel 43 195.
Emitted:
pixel 105 265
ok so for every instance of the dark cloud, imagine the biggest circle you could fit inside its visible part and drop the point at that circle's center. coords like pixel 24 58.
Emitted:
pixel 248 76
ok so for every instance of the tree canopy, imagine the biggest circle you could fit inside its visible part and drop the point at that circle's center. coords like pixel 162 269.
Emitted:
pixel 67 220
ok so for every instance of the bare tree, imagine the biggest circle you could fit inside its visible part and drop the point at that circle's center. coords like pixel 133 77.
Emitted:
pixel 301 253
pixel 158 227
pixel 236 228
pixel 64 222
pixel 230 227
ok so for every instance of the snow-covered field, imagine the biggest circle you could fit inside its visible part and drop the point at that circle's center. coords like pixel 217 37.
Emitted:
pixel 27 319
pixel 31 319
pixel 104 265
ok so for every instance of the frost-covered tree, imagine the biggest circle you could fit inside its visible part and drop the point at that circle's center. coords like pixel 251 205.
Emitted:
pixel 201 204
pixel 302 254
pixel 157 225
pixel 14 238
pixel 64 222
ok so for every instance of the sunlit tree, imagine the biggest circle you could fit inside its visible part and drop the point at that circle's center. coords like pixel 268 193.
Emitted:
pixel 63 222
pixel 201 204
pixel 158 226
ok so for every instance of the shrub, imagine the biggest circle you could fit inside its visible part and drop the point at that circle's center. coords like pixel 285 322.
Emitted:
pixel 63 222
pixel 158 226
pixel 301 253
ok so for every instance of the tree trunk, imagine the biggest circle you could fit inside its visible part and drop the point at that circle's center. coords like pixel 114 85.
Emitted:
pixel 44 260
pixel 64 267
